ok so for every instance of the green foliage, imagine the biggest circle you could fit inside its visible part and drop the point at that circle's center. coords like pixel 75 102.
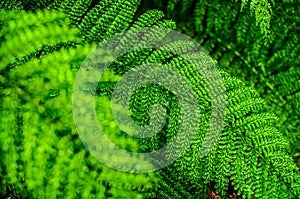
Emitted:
pixel 40 148
pixel 262 11
pixel 249 152
pixel 41 52
pixel 231 36
pixel 178 9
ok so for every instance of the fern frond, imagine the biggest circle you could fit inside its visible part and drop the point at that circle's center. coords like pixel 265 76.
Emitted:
pixel 229 33
pixel 25 30
pixel 243 158
pixel 40 148
pixel 262 11
pixel 42 153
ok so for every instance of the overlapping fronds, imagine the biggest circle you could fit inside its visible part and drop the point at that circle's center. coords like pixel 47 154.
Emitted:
pixel 40 55
pixel 40 149
pixel 178 9
pixel 232 37
pixel 249 150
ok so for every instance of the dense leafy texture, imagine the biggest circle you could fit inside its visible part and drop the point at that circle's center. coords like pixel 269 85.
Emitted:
pixel 40 148
pixel 263 61
pixel 42 155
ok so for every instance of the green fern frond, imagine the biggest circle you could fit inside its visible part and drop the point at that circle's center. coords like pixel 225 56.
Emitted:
pixel 262 11
pixel 247 146
pixel 285 88
pixel 20 36
pixel 229 33
pixel 43 154
pixel 40 149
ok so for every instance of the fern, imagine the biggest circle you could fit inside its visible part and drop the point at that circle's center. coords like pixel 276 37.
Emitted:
pixel 42 153
pixel 229 33
pixel 262 10
pixel 248 137
pixel 40 142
